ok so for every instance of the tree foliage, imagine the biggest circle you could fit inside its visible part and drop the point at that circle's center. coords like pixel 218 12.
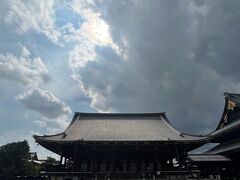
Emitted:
pixel 13 158
pixel 50 160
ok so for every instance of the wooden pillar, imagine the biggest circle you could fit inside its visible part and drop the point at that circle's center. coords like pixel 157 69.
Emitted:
pixel 65 160
pixel 94 160
pixel 114 158
pixel 177 154
pixel 75 155
pixel 156 162
pixel 137 160
pixel 128 164
pixel 61 159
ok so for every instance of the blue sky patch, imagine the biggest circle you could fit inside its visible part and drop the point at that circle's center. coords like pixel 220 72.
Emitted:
pixel 65 15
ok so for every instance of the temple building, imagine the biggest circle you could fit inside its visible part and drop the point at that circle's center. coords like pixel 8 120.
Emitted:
pixel 130 145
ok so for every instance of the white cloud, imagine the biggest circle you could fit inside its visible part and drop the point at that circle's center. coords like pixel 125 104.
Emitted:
pixel 24 70
pixel 33 15
pixel 40 16
pixel 94 31
pixel 41 124
pixel 44 102
pixel 53 109
pixel 25 51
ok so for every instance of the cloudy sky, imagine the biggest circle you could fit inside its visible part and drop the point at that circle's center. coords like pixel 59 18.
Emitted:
pixel 57 57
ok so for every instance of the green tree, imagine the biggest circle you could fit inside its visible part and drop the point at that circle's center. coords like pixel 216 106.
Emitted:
pixel 50 160
pixel 13 159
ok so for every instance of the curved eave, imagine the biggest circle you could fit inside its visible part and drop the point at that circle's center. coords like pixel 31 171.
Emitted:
pixel 228 132
pixel 198 137
pixel 40 139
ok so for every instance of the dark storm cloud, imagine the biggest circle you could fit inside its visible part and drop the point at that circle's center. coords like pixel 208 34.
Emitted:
pixel 218 45
pixel 169 66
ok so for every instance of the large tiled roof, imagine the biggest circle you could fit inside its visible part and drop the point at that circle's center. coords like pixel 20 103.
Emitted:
pixel 119 127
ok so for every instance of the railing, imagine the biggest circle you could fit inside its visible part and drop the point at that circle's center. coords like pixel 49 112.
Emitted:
pixel 43 177
pixel 68 172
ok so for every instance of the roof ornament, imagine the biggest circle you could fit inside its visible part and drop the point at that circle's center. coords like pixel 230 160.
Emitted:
pixel 64 135
pixel 230 107
pixel 181 134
